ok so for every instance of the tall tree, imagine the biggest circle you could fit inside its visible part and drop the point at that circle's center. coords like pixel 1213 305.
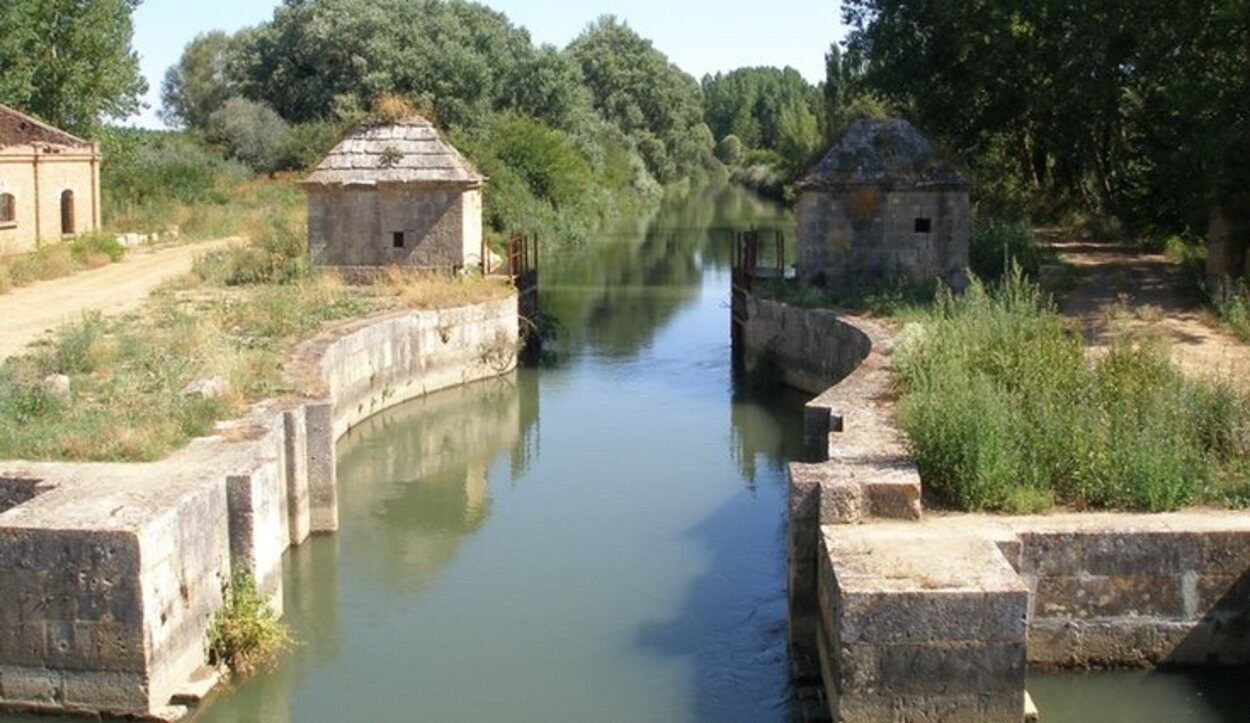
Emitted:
pixel 200 83
pixel 70 62
pixel 637 89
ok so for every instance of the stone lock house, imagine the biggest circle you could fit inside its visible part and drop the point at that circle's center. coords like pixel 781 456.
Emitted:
pixel 395 194
pixel 883 205
pixel 49 183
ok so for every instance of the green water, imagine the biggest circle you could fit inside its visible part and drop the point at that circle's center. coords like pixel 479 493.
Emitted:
pixel 596 539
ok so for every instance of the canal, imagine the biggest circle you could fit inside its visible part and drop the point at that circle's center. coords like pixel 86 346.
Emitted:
pixel 599 538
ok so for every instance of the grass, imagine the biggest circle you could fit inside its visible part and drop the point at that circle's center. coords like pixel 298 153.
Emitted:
pixel 55 260
pixel 236 207
pixel 1232 308
pixel 235 317
pixel 1004 412
pixel 246 635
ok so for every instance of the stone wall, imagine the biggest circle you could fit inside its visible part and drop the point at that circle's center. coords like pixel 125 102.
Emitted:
pixel 901 616
pixel 807 349
pixel 110 574
pixel 870 235
pixel 356 226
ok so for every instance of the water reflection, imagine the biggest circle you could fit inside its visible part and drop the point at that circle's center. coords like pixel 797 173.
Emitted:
pixel 415 478
pixel 611 300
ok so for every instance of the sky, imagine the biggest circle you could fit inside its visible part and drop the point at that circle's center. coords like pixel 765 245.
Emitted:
pixel 700 36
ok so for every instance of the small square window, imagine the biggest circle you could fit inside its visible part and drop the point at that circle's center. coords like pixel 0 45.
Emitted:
pixel 924 225
pixel 397 239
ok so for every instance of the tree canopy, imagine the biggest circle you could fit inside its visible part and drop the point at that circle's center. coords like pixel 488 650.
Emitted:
pixel 69 62
pixel 638 90
pixel 1132 109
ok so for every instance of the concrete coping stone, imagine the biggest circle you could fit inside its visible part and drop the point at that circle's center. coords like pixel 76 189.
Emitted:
pixel 906 557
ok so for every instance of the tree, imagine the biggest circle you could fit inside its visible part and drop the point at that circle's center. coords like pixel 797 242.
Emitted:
pixel 636 88
pixel 315 55
pixel 200 83
pixel 251 133
pixel 1128 109
pixel 70 62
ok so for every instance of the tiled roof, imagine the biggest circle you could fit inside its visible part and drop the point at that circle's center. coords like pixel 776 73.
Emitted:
pixel 883 152
pixel 19 129
pixel 409 151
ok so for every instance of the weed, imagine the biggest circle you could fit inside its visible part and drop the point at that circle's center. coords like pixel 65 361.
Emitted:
pixel 246 635
pixel 1004 412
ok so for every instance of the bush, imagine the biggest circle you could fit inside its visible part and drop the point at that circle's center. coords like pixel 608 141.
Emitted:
pixel 730 150
pixel 997 244
pixel 246 635
pixel 85 247
pixel 1232 306
pixel 251 132
pixel 1003 412
pixel 276 254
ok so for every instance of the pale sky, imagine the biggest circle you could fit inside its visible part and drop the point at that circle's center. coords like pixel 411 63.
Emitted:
pixel 701 36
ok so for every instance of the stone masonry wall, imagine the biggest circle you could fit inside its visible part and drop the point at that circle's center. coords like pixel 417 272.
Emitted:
pixel 353 227
pixel 110 574
pixel 869 235
pixel 908 617
pixel 807 349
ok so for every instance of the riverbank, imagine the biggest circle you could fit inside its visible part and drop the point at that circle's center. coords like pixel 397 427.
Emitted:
pixel 111 573
pixel 981 598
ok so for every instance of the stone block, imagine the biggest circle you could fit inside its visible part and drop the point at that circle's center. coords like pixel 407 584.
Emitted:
pixel 295 454
pixel 895 499
pixel 921 625
pixel 33 686
pixel 1097 596
pixel 322 473
pixel 841 502
pixel 115 693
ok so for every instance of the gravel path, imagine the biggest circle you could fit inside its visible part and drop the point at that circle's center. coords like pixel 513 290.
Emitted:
pixel 1112 287
pixel 27 313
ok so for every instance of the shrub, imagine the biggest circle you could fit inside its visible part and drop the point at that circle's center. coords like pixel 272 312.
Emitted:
pixel 85 247
pixel 997 244
pixel 1232 305
pixel 246 635
pixel 276 254
pixel 251 132
pixel 730 150
pixel 1003 412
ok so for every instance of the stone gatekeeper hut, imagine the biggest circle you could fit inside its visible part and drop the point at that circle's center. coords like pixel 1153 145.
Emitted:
pixel 883 205
pixel 395 194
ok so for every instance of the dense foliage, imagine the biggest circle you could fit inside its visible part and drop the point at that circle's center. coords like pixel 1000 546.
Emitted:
pixel 1004 412
pixel 570 138
pixel 767 109
pixel 1136 110
pixel 69 62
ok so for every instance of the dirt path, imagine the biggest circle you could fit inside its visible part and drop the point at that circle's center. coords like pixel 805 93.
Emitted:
pixel 1115 287
pixel 26 314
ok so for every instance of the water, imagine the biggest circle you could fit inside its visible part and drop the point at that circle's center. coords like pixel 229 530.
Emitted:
pixel 599 539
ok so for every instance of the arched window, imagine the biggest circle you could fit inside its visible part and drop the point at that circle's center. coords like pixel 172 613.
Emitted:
pixel 8 210
pixel 67 213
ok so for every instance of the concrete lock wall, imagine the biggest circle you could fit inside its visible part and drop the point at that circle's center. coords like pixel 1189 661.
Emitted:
pixel 110 574
pixel 808 349
pixel 414 225
pixel 875 233
pixel 898 616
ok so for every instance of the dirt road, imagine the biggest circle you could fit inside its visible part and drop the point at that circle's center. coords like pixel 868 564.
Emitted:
pixel 26 314
pixel 1120 287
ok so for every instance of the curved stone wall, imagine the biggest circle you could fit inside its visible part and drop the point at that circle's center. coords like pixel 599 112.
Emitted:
pixel 110 573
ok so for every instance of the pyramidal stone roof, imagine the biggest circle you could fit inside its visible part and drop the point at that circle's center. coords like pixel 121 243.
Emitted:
pixel 409 151
pixel 19 129
pixel 890 153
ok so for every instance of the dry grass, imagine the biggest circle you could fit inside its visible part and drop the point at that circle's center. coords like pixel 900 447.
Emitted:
pixel 56 260
pixel 426 290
